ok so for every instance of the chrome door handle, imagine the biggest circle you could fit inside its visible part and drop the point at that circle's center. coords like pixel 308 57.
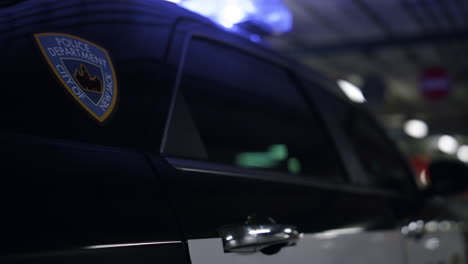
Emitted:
pixel 253 238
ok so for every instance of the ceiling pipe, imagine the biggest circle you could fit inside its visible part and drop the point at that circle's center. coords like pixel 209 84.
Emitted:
pixel 378 21
pixel 366 46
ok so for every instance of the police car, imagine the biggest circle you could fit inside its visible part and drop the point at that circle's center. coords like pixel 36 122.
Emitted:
pixel 135 131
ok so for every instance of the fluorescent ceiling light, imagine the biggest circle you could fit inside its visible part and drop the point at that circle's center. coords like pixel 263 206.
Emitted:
pixel 352 91
pixel 462 153
pixel 447 144
pixel 416 128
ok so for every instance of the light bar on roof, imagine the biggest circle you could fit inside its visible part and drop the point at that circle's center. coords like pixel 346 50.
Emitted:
pixel 272 16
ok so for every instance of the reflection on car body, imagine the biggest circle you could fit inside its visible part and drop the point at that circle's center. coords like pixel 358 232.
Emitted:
pixel 216 150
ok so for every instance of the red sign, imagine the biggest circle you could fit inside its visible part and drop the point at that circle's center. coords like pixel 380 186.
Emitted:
pixel 421 165
pixel 435 83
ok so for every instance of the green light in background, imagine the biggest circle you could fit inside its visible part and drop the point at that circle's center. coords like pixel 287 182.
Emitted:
pixel 255 160
pixel 269 159
pixel 294 165
pixel 278 151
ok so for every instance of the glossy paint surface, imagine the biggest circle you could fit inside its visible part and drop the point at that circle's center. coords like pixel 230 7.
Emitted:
pixel 145 254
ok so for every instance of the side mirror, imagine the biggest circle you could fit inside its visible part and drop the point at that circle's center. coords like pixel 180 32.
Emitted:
pixel 448 177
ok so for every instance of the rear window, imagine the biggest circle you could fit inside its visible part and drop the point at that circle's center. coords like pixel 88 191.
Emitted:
pixel 377 154
pixel 235 109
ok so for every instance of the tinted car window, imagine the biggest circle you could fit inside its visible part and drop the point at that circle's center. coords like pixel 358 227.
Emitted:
pixel 378 156
pixel 247 113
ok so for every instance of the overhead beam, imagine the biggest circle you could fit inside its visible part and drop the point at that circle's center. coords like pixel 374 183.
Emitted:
pixel 376 44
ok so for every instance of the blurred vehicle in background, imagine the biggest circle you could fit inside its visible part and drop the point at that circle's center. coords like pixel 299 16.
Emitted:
pixel 140 132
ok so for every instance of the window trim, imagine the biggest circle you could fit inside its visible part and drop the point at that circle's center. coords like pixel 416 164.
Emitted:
pixel 195 166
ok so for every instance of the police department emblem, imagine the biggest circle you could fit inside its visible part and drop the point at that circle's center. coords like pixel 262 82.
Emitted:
pixel 84 68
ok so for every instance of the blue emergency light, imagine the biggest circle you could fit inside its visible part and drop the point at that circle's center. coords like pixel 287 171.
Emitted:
pixel 264 17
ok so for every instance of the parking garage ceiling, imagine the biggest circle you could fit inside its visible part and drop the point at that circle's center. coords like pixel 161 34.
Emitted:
pixel 396 40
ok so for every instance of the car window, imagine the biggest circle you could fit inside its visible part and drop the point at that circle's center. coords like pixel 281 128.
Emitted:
pixel 378 156
pixel 235 109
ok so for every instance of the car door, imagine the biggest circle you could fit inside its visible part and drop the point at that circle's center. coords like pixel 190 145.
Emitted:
pixel 65 201
pixel 424 240
pixel 254 173
pixel 74 190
